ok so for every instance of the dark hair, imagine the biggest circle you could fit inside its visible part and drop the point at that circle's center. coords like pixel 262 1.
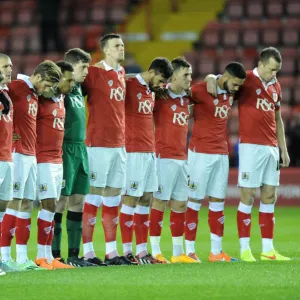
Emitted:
pixel 269 52
pixel 49 71
pixel 236 69
pixel 180 62
pixel 65 66
pixel 76 55
pixel 104 40
pixel 162 65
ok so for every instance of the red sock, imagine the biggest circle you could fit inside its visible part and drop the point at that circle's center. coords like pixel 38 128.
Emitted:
pixel 51 235
pixel 88 222
pixel 216 222
pixel 141 227
pixel 156 221
pixel 44 230
pixel 8 229
pixel 243 224
pixel 22 230
pixel 110 222
pixel 126 225
pixel 266 224
pixel 177 223
pixel 191 224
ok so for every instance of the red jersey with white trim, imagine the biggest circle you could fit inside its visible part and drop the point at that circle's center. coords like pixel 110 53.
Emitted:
pixel 210 120
pixel 139 106
pixel 6 129
pixel 50 130
pixel 25 101
pixel 106 106
pixel 257 104
pixel 171 126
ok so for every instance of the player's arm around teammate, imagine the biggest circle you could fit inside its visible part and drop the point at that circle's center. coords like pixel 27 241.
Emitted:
pixel 24 94
pixel 171 126
pixel 141 177
pixel 208 158
pixel 50 134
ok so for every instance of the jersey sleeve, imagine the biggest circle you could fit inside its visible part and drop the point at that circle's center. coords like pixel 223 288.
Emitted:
pixel 197 89
pixel 89 81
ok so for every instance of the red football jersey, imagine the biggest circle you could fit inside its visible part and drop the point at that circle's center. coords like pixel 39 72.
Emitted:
pixel 6 128
pixel 257 104
pixel 25 101
pixel 106 106
pixel 139 106
pixel 50 130
pixel 171 126
pixel 210 120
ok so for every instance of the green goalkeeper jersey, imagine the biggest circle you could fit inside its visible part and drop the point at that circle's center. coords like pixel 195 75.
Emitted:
pixel 75 122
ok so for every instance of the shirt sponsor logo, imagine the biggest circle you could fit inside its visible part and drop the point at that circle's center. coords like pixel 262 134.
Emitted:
pixel 93 176
pixel 16 186
pixel 146 107
pixel 58 123
pixel 6 118
pixel 245 176
pixel 265 105
pixel 134 185
pixel 118 94
pixel 43 188
pixel 180 118
pixel 32 109
pixel 222 111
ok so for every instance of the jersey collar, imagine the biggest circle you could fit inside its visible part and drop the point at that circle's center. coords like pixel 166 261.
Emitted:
pixel 219 90
pixel 109 68
pixel 174 96
pixel 25 78
pixel 255 72
pixel 57 99
pixel 141 80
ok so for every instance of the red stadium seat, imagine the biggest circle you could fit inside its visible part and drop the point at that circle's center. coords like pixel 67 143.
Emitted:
pixel 118 15
pixel 254 10
pixel 80 15
pixel 211 38
pixel 290 37
pixel 206 66
pixel 297 95
pixel 250 37
pixel 248 62
pixel 287 81
pixel 235 10
pixel 231 38
pixel 286 95
pixel 25 16
pixel 274 9
pixel 288 66
pixel 74 42
pixel 293 8
pixel 270 37
pixel 98 15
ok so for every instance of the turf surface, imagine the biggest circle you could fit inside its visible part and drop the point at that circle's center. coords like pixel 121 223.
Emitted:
pixel 263 280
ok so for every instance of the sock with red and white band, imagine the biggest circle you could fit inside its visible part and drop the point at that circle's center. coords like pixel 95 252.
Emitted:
pixel 266 224
pixel 156 223
pixel 8 228
pixel 191 226
pixel 89 218
pixel 177 231
pixel 49 255
pixel 126 225
pixel 44 224
pixel 216 224
pixel 244 225
pixel 23 224
pixel 1 218
pixel 110 220
pixel 141 227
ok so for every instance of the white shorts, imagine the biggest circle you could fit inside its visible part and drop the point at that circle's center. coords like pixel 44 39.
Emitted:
pixel 25 172
pixel 208 175
pixel 258 165
pixel 6 180
pixel 107 166
pixel 172 179
pixel 49 180
pixel 141 174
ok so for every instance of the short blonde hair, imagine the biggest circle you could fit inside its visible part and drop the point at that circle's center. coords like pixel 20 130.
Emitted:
pixel 49 71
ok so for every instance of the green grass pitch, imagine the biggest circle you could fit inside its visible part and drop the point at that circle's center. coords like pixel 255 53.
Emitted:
pixel 260 280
